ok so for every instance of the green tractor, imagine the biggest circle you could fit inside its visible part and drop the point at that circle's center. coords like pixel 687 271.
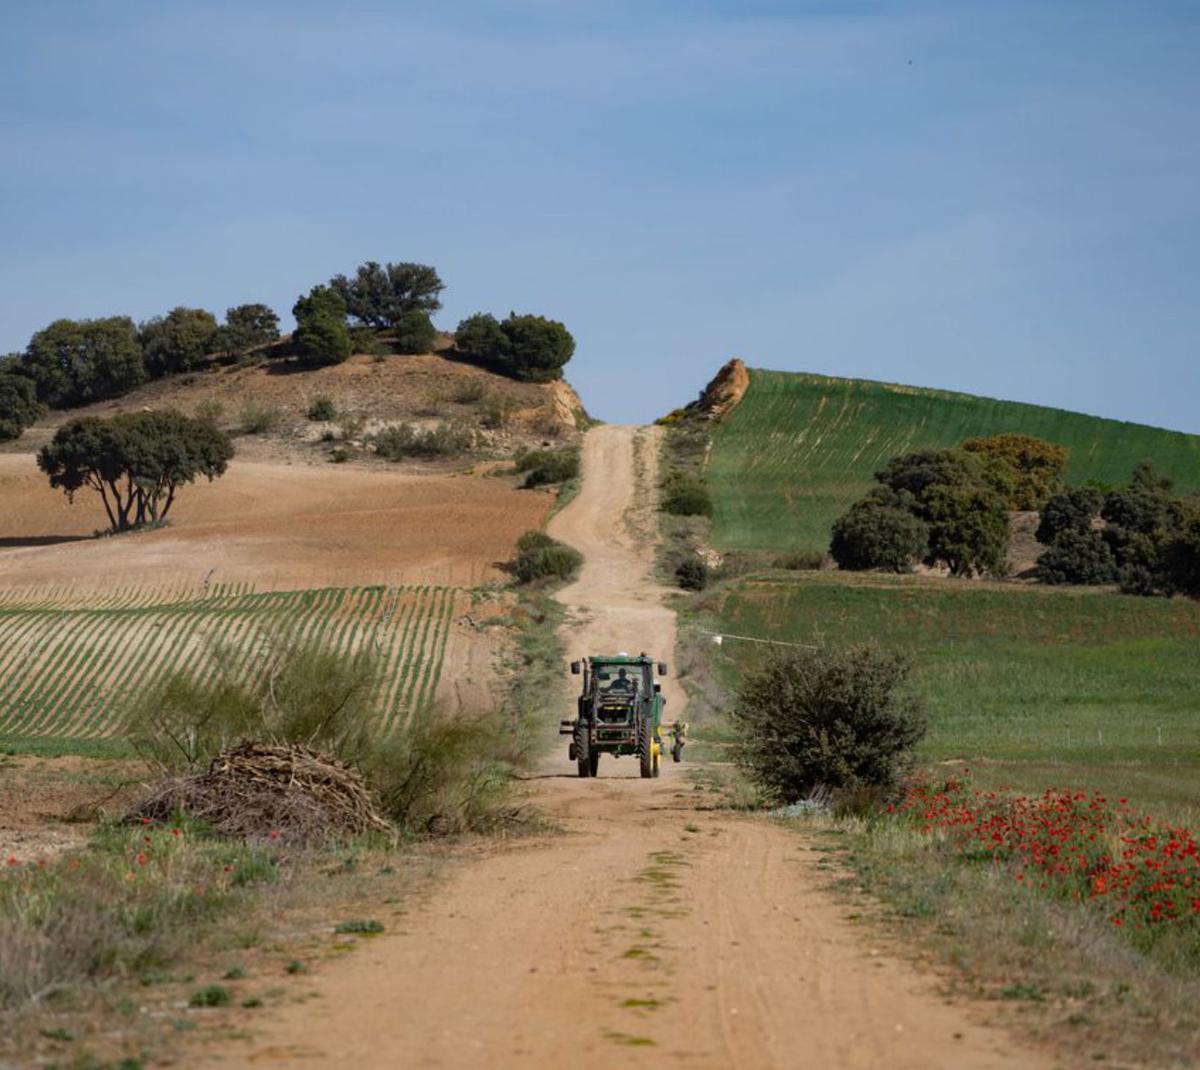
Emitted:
pixel 620 712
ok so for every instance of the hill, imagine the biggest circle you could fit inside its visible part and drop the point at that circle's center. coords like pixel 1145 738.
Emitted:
pixel 799 448
pixel 367 392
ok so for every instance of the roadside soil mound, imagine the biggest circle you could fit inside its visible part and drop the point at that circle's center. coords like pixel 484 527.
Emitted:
pixel 263 793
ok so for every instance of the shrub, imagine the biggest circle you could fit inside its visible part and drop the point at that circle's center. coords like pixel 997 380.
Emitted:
pixel 684 494
pixel 692 575
pixel 404 440
pixel 178 341
pixel 537 348
pixel 527 347
pixel 365 340
pixel 874 535
pixel 1077 557
pixel 321 408
pixel 321 332
pixel 535 540
pixel 838 719
pixel 556 559
pixel 1069 510
pixel 1038 466
pixel 481 338
pixel 497 411
pixel 548 466
pixel 256 418
pixel 414 332
pixel 18 404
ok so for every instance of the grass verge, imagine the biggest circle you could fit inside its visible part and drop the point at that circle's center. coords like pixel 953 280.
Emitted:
pixel 1056 972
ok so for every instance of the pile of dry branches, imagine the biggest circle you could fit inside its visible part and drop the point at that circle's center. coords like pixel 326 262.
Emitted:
pixel 282 792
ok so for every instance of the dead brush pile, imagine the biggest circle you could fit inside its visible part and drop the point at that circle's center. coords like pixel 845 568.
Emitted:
pixel 278 792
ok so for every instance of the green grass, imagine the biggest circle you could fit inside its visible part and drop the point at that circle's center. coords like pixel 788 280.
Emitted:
pixel 800 448
pixel 71 667
pixel 1038 681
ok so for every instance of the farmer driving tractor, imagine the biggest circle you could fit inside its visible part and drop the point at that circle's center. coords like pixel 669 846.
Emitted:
pixel 622 683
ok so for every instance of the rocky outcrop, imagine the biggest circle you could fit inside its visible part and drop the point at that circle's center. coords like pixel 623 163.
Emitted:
pixel 727 388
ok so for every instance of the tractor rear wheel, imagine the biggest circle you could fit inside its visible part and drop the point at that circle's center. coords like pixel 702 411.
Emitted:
pixel 645 750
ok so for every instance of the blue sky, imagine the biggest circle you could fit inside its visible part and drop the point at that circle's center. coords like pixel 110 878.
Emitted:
pixel 998 197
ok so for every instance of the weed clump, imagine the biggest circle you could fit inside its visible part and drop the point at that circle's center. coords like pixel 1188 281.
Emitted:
pixel 321 408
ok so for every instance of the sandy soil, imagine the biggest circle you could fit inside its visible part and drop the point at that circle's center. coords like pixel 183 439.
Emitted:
pixel 276 525
pixel 654 933
pixel 49 805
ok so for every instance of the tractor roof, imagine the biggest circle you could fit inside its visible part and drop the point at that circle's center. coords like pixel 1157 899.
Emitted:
pixel 621 659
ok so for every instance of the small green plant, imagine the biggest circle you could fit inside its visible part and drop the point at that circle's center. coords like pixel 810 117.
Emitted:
pixel 800 560
pixel 497 411
pixel 234 973
pixel 256 418
pixel 209 409
pixel 340 455
pixel 252 1003
pixel 211 996
pixel 359 926
pixel 295 966
pixel 469 392
pixel 321 408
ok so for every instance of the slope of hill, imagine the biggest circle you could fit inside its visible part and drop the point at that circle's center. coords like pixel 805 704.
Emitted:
pixel 800 448
pixel 367 393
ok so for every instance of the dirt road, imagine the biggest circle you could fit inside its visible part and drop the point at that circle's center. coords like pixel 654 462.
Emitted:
pixel 653 933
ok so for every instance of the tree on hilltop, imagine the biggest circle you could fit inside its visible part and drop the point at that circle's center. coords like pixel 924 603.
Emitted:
pixel 74 362
pixel 178 341
pixel 532 348
pixel 245 327
pixel 382 296
pixel 321 332
pixel 136 461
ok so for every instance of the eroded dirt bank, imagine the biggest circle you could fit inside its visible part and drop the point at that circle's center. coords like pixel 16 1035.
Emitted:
pixel 654 933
